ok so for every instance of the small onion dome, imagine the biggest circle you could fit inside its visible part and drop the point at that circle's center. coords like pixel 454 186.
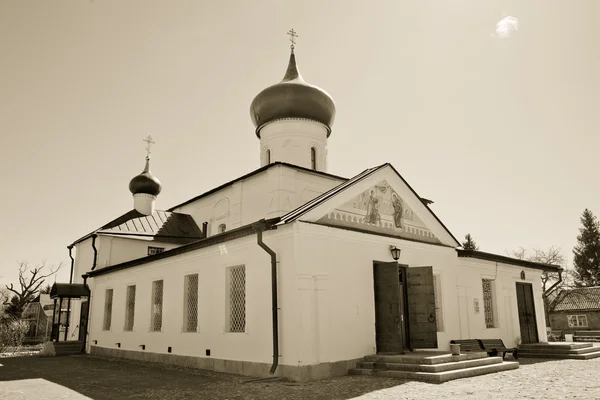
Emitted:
pixel 145 182
pixel 292 98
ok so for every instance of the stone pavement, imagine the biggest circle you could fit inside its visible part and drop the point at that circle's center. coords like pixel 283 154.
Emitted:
pixel 27 389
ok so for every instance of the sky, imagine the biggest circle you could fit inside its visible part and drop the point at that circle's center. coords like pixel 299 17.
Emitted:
pixel 501 132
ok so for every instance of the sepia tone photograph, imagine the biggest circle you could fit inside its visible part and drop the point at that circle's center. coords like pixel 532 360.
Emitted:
pixel 303 200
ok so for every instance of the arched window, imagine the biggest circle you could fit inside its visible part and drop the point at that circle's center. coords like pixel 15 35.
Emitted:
pixel 313 158
pixel 222 228
pixel 268 156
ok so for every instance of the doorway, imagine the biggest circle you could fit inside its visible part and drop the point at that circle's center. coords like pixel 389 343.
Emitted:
pixel 83 319
pixel 527 317
pixel 390 307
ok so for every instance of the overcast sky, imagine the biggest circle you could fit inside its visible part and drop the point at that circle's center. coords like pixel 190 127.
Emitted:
pixel 502 133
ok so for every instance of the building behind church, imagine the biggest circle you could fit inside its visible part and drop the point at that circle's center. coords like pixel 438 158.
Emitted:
pixel 291 270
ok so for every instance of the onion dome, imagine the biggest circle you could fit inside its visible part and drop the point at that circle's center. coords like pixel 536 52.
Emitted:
pixel 292 98
pixel 145 182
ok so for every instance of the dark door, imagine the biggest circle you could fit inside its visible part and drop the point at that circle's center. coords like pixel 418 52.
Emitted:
pixel 388 281
pixel 422 327
pixel 527 320
pixel 83 319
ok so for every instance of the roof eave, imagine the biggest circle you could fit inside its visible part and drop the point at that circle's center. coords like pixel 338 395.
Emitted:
pixel 507 260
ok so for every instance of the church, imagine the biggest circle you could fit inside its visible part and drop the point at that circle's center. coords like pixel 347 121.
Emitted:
pixel 289 270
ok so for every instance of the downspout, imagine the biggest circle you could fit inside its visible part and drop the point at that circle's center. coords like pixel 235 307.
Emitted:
pixel 94 236
pixel 87 314
pixel 69 299
pixel 259 228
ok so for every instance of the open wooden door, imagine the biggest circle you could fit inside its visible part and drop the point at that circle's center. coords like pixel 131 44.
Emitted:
pixel 527 319
pixel 421 308
pixel 389 307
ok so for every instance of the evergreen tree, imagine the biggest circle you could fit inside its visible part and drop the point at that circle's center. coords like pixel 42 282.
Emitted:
pixel 469 243
pixel 586 254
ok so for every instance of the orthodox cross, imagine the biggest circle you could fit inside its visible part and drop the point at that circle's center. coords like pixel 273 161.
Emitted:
pixel 149 142
pixel 293 37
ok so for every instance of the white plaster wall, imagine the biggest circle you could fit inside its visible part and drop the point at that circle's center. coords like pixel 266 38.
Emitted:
pixel 290 141
pixel 115 250
pixel 335 300
pixel 210 263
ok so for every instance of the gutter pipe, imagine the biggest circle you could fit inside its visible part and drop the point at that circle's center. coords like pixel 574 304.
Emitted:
pixel 87 314
pixel 94 236
pixel 259 228
pixel 69 300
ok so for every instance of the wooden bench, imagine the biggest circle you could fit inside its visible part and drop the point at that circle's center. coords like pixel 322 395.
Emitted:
pixel 495 346
pixel 468 345
pixel 582 336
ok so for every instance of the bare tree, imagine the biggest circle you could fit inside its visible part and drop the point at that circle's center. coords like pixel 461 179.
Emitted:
pixel 30 282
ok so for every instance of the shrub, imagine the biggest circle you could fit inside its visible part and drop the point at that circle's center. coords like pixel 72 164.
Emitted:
pixel 12 334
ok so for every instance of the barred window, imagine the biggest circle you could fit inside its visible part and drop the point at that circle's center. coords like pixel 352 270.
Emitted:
pixel 129 308
pixel 236 281
pixel 157 306
pixel 190 303
pixel 488 303
pixel 437 294
pixel 108 298
pixel 577 321
pixel 155 250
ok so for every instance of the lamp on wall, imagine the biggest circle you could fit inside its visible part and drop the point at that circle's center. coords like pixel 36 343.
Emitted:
pixel 395 252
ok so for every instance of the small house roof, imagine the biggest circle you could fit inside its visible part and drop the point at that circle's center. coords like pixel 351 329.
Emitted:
pixel 69 291
pixel 581 299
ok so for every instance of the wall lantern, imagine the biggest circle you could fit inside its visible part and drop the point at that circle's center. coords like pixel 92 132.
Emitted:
pixel 395 252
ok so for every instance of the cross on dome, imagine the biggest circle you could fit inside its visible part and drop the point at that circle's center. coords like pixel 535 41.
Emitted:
pixel 149 142
pixel 293 37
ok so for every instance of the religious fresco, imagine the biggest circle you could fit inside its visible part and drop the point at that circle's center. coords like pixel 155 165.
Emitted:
pixel 380 209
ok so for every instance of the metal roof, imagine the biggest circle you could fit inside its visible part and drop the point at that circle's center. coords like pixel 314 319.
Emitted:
pixel 581 299
pixel 69 291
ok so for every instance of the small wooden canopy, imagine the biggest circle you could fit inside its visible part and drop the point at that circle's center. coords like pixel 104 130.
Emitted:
pixel 69 291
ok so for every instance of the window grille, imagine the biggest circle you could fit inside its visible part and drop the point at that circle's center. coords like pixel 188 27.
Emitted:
pixel 577 321
pixel 155 250
pixel 237 298
pixel 488 303
pixel 108 309
pixel 190 323
pixel 437 294
pixel 157 306
pixel 130 308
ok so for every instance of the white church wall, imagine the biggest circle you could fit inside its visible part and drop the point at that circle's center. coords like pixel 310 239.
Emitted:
pixel 211 263
pixel 117 250
pixel 506 317
pixel 335 285
pixel 268 194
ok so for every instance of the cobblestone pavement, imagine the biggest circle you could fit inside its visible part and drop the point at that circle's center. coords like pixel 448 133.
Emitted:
pixel 101 378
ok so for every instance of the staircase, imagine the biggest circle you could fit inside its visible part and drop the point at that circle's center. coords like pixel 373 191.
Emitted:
pixel 67 348
pixel 432 367
pixel 559 350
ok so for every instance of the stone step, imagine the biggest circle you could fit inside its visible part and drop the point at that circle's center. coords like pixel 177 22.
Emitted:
pixel 422 358
pixel 562 356
pixel 583 350
pixel 438 377
pixel 431 367
pixel 548 346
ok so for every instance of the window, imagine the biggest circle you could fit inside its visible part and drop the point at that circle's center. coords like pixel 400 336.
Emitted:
pixel 155 250
pixel 437 294
pixel 268 156
pixel 108 298
pixel 577 321
pixel 222 228
pixel 129 308
pixel 157 306
pixel 236 281
pixel 313 158
pixel 190 303
pixel 488 303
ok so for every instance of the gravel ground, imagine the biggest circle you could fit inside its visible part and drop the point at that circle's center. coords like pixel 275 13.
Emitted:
pixel 100 378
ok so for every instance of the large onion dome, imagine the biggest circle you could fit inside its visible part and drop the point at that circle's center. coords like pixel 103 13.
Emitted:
pixel 145 182
pixel 292 98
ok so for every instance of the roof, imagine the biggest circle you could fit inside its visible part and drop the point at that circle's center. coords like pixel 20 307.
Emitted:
pixel 243 231
pixel 581 299
pixel 507 260
pixel 256 172
pixel 303 209
pixel 69 290
pixel 164 225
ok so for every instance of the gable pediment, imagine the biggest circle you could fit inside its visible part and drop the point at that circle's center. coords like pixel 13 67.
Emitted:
pixel 383 203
